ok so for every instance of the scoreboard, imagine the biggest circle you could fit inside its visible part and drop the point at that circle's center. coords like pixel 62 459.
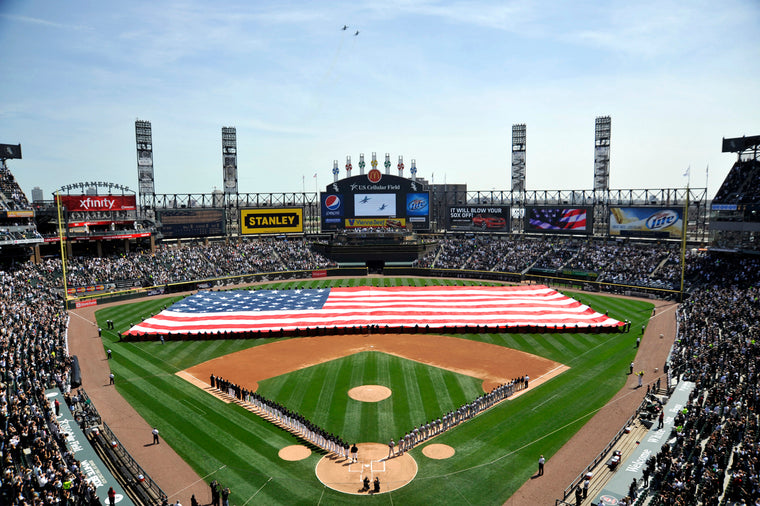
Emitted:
pixel 375 200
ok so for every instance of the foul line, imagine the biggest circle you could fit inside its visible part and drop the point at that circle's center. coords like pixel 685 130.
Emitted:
pixel 82 317
pixel 547 400
pixel 200 480
pixel 259 490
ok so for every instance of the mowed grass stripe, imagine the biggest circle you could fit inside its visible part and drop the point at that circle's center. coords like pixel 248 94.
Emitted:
pixel 386 418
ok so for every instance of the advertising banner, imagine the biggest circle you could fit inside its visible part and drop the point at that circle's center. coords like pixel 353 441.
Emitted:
pixel 95 471
pixel 10 151
pixel 491 218
pixel 666 222
pixel 25 213
pixel 559 220
pixel 192 222
pixel 333 209
pixel 418 207
pixel 286 220
pixel 375 222
pixel 88 203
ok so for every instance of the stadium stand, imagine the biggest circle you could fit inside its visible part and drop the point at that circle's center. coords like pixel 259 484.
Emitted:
pixel 742 185
pixel 12 198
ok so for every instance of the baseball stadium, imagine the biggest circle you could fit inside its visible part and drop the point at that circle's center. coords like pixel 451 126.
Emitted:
pixel 386 340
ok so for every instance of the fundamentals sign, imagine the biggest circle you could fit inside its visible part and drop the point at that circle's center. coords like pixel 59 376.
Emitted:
pixel 271 221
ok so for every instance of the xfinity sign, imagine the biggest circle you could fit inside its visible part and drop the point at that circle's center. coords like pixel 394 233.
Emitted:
pixel 98 203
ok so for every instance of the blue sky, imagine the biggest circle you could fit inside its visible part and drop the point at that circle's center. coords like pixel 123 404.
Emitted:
pixel 439 82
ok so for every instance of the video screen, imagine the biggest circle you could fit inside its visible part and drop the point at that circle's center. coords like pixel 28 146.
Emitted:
pixel 567 220
pixel 375 204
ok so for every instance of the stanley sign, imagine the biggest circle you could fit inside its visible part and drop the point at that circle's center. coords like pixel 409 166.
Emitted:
pixel 271 221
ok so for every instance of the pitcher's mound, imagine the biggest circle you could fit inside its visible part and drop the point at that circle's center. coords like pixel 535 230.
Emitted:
pixel 294 452
pixel 438 451
pixel 345 476
pixel 369 393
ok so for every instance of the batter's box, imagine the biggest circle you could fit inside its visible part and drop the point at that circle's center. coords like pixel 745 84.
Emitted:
pixel 357 467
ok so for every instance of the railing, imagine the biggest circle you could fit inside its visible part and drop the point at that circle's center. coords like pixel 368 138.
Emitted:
pixel 98 433
pixel 126 463
pixel 579 479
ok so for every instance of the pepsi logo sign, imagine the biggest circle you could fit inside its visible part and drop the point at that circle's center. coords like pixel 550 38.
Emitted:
pixel 332 202
pixel 661 219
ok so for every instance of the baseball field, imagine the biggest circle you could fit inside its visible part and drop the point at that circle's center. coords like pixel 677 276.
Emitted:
pixel 491 455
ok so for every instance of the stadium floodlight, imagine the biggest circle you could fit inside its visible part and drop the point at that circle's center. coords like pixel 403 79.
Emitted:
pixel 229 160
pixel 144 143
pixel 518 157
pixel 602 130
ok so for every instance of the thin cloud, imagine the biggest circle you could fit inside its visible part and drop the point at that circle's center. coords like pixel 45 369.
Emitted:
pixel 41 22
pixel 509 16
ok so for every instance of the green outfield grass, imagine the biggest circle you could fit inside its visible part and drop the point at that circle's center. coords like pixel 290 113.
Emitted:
pixel 495 452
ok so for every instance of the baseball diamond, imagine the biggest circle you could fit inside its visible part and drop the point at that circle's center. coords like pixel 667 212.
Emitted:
pixel 570 376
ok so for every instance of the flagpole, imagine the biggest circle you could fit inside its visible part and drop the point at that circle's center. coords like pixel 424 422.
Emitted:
pixel 683 239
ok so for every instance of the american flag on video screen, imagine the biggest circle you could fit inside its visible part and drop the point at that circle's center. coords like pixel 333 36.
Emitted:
pixel 436 306
pixel 554 218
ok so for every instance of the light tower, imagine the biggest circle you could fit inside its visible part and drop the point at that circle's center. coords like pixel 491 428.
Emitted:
pixel 518 158
pixel 361 164
pixel 348 166
pixel 229 160
pixel 145 181
pixel 336 171
pixel 387 163
pixel 400 166
pixel 602 131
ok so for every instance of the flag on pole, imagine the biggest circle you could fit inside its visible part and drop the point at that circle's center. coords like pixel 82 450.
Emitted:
pixel 348 307
pixel 688 171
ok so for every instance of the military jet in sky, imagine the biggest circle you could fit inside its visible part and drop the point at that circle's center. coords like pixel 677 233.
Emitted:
pixel 357 33
pixel 345 27
pixel 364 200
pixel 382 207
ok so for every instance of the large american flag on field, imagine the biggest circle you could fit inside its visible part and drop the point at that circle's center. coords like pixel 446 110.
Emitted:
pixel 347 307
